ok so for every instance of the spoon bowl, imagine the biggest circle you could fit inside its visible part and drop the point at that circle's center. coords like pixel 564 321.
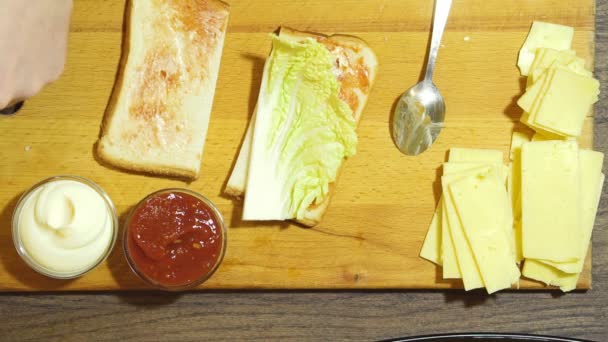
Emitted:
pixel 418 118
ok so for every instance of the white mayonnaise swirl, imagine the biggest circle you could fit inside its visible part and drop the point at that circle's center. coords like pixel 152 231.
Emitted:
pixel 65 226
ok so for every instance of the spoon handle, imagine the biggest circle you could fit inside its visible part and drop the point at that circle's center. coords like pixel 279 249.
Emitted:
pixel 440 18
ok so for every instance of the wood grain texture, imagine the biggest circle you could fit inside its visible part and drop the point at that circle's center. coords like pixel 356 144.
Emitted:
pixel 372 233
pixel 323 316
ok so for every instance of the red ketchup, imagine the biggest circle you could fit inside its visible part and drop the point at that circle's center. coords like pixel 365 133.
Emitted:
pixel 174 239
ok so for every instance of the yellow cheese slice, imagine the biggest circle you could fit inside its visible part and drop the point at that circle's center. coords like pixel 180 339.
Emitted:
pixel 475 155
pixel 566 102
pixel 550 185
pixel 538 56
pixel 527 100
pixel 532 101
pixel 543 34
pixel 547 58
pixel 514 190
pixel 451 270
pixel 508 224
pixel 591 182
pixel 480 202
pixel 510 188
pixel 578 66
pixel 551 276
pixel 500 170
pixel 517 139
pixel 525 119
pixel 471 277
pixel 431 247
pixel 477 158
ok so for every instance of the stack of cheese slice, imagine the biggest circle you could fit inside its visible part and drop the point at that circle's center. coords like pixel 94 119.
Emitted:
pixel 560 90
pixel 555 192
pixel 544 214
pixel 471 234
pixel 482 230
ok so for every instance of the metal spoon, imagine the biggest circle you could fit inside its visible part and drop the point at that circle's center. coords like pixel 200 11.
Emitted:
pixel 420 112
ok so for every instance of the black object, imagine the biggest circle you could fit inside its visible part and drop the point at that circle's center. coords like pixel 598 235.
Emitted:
pixel 483 337
pixel 12 109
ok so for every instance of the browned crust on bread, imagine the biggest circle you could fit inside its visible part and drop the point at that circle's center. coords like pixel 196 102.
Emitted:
pixel 153 169
pixel 116 89
pixel 234 192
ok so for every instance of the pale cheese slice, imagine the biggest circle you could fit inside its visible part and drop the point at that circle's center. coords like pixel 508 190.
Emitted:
pixel 578 66
pixel 591 182
pixel 514 190
pixel 544 57
pixel 548 57
pixel 517 139
pixel 475 155
pixel 431 247
pixel 462 159
pixel 510 189
pixel 471 277
pixel 509 222
pixel 480 202
pixel 548 35
pixel 550 185
pixel 534 93
pixel 529 116
pixel 550 275
pixel 566 102
pixel 538 56
pixel 451 269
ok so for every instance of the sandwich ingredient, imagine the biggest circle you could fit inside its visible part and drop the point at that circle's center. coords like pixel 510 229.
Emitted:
pixel 553 186
pixel 303 130
pixel 174 239
pixel 543 34
pixel 560 90
pixel 474 178
pixel 65 226
pixel 158 117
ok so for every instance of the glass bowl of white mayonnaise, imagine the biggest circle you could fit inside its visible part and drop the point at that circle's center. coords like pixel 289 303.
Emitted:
pixel 64 226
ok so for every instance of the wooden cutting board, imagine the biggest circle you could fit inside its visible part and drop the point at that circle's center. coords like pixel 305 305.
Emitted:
pixel 372 233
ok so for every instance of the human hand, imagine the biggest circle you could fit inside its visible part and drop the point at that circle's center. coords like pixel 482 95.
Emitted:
pixel 33 46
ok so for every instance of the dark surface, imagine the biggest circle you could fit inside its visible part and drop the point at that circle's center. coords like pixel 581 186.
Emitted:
pixel 484 337
pixel 327 315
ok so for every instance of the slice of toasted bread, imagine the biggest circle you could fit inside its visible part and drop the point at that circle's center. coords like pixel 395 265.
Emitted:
pixel 356 68
pixel 157 118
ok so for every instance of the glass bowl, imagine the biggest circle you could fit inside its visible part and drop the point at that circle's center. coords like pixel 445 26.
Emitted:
pixel 148 279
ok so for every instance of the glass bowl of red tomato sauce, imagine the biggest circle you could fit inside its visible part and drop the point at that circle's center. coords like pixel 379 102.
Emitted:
pixel 174 239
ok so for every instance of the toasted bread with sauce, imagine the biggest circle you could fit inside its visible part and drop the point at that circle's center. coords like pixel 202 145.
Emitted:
pixel 356 68
pixel 158 115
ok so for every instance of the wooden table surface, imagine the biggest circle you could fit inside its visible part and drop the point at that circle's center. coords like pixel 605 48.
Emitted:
pixel 326 315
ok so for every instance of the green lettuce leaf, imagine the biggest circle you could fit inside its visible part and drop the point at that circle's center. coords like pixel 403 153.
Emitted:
pixel 302 132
